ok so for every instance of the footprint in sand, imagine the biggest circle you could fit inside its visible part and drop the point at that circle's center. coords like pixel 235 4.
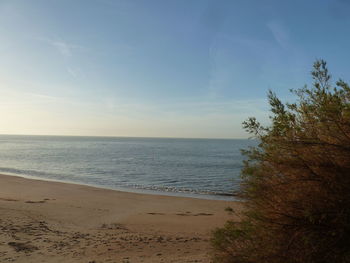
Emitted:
pixel 39 201
pixel 35 202
pixel 190 214
pixel 183 214
pixel 8 199
pixel 153 213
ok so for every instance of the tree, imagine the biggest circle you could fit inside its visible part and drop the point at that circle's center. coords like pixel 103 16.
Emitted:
pixel 296 182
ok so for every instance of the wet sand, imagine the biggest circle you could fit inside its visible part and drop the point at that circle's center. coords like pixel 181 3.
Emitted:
pixel 43 221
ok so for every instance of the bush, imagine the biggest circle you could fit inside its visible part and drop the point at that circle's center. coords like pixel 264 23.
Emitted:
pixel 296 183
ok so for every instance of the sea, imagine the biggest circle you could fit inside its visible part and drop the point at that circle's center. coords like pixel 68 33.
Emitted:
pixel 199 168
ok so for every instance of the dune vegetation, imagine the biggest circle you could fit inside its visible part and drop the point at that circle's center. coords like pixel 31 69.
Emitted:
pixel 296 182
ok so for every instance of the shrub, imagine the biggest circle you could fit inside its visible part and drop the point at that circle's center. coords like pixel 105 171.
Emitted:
pixel 296 183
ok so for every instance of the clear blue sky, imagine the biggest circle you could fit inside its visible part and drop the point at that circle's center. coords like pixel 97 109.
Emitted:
pixel 180 68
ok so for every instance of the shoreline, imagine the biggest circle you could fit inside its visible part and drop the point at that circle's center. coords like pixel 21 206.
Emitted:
pixel 218 197
pixel 45 221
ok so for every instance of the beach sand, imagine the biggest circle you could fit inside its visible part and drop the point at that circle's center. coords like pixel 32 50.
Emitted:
pixel 45 221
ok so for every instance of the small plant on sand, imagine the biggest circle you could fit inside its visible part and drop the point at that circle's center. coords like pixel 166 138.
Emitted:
pixel 296 183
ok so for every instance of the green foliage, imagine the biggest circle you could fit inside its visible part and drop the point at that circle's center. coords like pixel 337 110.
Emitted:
pixel 296 183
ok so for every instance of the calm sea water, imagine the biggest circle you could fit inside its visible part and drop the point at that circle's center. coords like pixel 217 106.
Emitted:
pixel 204 168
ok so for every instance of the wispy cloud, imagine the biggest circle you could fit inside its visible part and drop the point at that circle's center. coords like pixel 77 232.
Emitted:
pixel 230 57
pixel 75 72
pixel 64 48
pixel 280 33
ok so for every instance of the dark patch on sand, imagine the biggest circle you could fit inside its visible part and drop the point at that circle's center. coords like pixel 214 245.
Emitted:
pixel 20 246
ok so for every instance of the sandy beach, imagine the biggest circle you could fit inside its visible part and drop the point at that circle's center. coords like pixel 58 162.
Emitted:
pixel 45 221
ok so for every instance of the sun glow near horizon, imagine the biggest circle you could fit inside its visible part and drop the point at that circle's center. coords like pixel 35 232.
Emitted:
pixel 37 114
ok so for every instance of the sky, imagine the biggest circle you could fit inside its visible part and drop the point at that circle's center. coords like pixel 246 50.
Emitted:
pixel 159 68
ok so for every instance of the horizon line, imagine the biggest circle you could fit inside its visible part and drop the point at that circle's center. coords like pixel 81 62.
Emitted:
pixel 123 136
